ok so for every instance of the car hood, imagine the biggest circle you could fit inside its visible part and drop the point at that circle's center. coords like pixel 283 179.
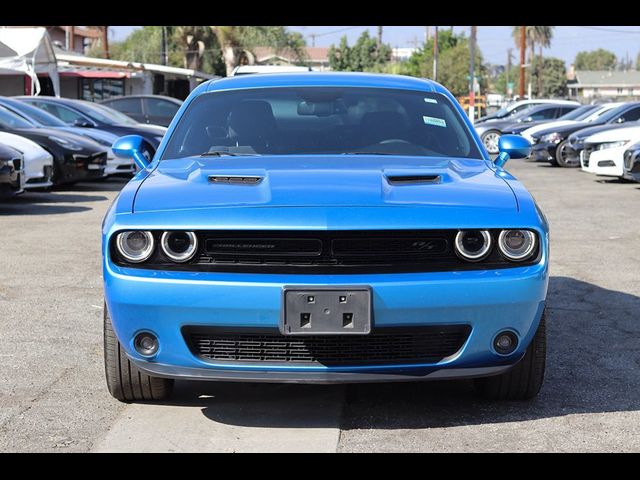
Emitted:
pixel 588 132
pixel 564 130
pixel 518 128
pixel 45 133
pixel 544 126
pixel 613 135
pixel 323 181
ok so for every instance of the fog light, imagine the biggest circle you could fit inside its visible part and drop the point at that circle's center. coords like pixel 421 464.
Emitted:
pixel 505 343
pixel 146 344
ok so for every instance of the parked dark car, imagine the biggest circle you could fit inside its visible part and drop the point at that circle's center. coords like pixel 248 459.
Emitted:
pixel 11 171
pixel 577 115
pixel 153 109
pixel 75 158
pixel 41 118
pixel 552 144
pixel 490 132
pixel 81 113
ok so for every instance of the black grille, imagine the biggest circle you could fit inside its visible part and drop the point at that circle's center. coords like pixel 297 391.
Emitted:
pixel 326 252
pixel 384 346
pixel 586 155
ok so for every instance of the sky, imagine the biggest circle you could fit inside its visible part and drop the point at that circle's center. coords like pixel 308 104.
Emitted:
pixel 493 41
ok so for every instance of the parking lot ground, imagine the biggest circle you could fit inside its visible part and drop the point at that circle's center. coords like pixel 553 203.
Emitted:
pixel 53 395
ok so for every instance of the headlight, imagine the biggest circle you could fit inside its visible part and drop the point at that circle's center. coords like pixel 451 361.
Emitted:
pixel 179 246
pixel 65 143
pixel 135 246
pixel 473 245
pixel 551 138
pixel 605 146
pixel 517 245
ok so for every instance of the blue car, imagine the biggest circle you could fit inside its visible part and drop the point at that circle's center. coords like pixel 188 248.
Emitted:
pixel 324 228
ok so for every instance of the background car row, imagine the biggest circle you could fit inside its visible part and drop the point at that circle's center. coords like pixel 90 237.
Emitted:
pixel 48 141
pixel 603 139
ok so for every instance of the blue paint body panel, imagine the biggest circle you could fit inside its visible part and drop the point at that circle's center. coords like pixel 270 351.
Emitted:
pixel 313 192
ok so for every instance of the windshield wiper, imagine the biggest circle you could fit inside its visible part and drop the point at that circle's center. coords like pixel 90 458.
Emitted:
pixel 369 153
pixel 222 153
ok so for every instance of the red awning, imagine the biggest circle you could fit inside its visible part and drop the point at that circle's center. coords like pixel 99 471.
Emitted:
pixel 96 74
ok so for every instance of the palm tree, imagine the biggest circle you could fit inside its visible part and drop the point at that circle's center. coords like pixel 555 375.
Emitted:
pixel 541 35
pixel 193 41
pixel 237 42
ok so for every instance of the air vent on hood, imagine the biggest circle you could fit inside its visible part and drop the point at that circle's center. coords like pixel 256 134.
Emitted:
pixel 412 179
pixel 235 179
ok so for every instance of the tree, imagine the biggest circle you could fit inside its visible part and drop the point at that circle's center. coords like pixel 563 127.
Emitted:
pixel 600 59
pixel 549 76
pixel 237 43
pixel 540 35
pixel 453 63
pixel 142 45
pixel 365 55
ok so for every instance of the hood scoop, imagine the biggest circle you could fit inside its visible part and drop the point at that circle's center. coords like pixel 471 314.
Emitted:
pixel 413 179
pixel 235 179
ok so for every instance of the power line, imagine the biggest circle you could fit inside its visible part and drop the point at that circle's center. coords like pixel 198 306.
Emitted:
pixel 604 29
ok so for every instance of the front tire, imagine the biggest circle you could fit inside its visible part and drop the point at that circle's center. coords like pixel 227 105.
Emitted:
pixel 125 381
pixel 524 380
pixel 490 141
pixel 564 157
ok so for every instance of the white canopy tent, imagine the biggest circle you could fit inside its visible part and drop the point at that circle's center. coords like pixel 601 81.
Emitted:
pixel 29 51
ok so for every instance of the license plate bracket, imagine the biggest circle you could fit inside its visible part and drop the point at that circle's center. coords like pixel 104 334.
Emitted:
pixel 326 311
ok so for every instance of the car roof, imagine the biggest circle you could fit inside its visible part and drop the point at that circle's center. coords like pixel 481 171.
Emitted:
pixel 159 97
pixel 337 79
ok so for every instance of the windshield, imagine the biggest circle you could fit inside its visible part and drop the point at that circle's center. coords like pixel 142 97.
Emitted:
pixel 322 120
pixel 612 114
pixel 38 115
pixel 579 113
pixel 102 114
pixel 11 120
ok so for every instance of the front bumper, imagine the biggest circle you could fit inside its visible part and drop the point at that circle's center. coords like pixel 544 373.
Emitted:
pixel 543 152
pixel 161 302
pixel 608 162
pixel 11 180
pixel 119 165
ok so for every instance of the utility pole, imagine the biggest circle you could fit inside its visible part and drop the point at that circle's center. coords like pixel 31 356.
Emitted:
pixel 435 55
pixel 472 74
pixel 508 72
pixel 523 46
pixel 379 39
pixel 427 34
pixel 163 54
pixel 313 39
pixel 105 41
pixel 67 34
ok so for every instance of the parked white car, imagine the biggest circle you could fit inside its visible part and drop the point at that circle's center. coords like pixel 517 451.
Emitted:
pixel 603 152
pixel 38 163
pixel 605 107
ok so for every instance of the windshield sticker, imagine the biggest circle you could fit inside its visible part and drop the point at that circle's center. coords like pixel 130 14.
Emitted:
pixel 438 122
pixel 431 100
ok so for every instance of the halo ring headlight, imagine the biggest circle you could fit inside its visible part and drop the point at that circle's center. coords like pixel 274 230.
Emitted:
pixel 473 245
pixel 179 246
pixel 517 245
pixel 135 246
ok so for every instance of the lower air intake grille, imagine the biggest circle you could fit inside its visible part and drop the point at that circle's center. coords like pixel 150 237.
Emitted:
pixel 384 346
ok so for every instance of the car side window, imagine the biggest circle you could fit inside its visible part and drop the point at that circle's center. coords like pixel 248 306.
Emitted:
pixel 545 114
pixel 160 108
pixel 126 105
pixel 631 115
pixel 65 114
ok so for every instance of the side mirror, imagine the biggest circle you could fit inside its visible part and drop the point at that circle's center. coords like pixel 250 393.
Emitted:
pixel 512 146
pixel 130 146
pixel 82 123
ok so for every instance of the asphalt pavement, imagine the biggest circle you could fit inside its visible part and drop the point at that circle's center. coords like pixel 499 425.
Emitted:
pixel 53 395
